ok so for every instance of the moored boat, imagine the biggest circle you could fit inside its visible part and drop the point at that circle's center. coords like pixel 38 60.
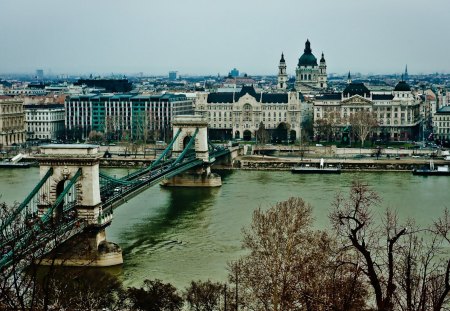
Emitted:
pixel 6 164
pixel 441 170
pixel 311 169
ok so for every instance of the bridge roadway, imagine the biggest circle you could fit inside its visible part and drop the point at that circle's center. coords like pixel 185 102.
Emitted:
pixel 113 194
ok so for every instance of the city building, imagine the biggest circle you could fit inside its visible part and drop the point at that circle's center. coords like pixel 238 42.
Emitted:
pixel 12 121
pixel 310 76
pixel 25 92
pixel 108 85
pixel 238 115
pixel 173 75
pixel 443 98
pixel 397 112
pixel 39 74
pixel 441 125
pixel 45 121
pixel 117 115
pixel 234 73
pixel 282 74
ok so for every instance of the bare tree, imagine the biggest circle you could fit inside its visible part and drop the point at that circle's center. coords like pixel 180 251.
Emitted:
pixel 328 126
pixel 204 296
pixel 352 218
pixel 408 271
pixel 363 122
pixel 290 266
pixel 142 123
pixel 323 128
pixel 262 135
pixel 96 137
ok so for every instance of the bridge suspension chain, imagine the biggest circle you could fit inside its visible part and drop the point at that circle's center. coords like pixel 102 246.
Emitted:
pixel 125 180
pixel 188 147
pixel 68 198
pixel 27 205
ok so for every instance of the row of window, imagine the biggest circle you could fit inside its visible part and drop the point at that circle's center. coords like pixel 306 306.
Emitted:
pixel 247 107
pixel 11 108
pixel 46 118
pixel 441 124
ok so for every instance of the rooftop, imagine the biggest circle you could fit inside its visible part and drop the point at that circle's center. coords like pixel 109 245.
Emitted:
pixel 355 88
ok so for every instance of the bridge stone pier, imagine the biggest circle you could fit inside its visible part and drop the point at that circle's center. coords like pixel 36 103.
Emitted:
pixel 200 176
pixel 89 247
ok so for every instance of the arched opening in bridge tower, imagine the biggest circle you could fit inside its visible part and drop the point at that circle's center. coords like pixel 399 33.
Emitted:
pixel 186 141
pixel 247 135
pixel 60 208
pixel 67 203
pixel 280 133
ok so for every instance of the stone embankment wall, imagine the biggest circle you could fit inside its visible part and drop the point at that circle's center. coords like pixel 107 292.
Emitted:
pixel 332 151
pixel 254 163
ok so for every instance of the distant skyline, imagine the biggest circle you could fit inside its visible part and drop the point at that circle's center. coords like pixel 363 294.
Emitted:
pixel 199 37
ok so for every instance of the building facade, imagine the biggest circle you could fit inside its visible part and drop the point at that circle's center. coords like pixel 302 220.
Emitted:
pixel 238 115
pixel 117 115
pixel 441 125
pixel 45 121
pixel 12 122
pixel 397 113
pixel 310 76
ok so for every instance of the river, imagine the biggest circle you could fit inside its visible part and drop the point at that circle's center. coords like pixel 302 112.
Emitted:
pixel 184 234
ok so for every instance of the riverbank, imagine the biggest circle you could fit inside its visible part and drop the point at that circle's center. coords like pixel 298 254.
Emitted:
pixel 263 162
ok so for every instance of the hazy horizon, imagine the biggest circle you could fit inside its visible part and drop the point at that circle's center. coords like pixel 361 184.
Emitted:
pixel 201 37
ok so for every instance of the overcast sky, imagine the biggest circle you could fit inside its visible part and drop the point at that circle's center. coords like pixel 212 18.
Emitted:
pixel 213 36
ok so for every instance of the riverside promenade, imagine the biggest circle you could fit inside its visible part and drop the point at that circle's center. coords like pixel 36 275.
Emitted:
pixel 286 157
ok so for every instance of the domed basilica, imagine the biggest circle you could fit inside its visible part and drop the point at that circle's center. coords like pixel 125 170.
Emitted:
pixel 310 76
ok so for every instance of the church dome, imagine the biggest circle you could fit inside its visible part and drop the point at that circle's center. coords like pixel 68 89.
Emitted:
pixel 402 86
pixel 307 59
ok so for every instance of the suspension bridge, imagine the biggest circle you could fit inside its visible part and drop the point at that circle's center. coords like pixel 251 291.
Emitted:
pixel 75 200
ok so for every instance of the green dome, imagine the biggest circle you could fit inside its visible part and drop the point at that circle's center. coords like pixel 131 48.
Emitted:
pixel 307 59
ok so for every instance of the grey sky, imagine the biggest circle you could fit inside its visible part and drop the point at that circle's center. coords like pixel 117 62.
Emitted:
pixel 213 36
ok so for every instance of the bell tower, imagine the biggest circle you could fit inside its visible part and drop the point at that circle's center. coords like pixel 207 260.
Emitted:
pixel 322 81
pixel 282 75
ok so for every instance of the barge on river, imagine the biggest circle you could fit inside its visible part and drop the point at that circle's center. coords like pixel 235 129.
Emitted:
pixel 321 169
pixel 433 171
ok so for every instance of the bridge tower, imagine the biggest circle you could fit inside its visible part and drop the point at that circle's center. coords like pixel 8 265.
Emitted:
pixel 201 176
pixel 90 246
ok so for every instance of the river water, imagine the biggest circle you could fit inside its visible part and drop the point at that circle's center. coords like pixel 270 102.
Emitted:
pixel 184 234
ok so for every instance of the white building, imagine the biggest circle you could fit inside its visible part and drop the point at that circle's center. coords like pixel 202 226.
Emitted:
pixel 12 121
pixel 397 112
pixel 238 115
pixel 45 121
pixel 441 125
